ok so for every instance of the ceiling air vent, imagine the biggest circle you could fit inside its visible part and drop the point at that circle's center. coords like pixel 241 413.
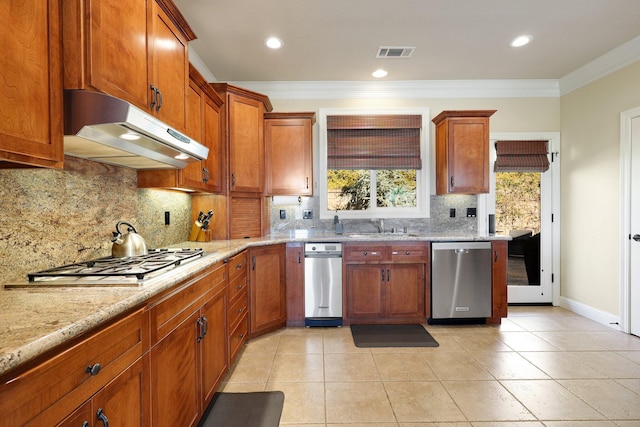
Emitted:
pixel 395 52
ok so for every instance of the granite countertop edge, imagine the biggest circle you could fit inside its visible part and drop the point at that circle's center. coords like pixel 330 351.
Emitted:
pixel 35 320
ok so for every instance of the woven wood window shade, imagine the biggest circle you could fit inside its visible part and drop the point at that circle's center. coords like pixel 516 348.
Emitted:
pixel 374 142
pixel 521 156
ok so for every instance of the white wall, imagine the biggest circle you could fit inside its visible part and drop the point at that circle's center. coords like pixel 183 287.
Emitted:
pixel 590 188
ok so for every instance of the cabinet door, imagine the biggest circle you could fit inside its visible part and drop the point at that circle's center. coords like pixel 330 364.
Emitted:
pixel 499 301
pixel 246 144
pixel 212 138
pixel 123 402
pixel 364 291
pixel 404 290
pixel 169 59
pixel 295 284
pixel 288 157
pixel 267 289
pixel 469 155
pixel 31 84
pixel 117 49
pixel 174 374
pixel 192 174
pixel 213 360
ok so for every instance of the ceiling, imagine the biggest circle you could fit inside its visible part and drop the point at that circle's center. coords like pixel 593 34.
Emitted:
pixel 337 40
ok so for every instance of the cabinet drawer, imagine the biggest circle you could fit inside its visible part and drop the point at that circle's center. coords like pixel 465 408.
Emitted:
pixel 237 265
pixel 364 253
pixel 174 308
pixel 238 336
pixel 237 310
pixel 67 377
pixel 236 287
pixel 409 252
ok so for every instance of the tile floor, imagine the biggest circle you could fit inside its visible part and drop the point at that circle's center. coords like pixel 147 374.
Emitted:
pixel 544 366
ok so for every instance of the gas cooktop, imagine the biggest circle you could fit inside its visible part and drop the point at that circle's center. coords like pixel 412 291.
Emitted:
pixel 113 271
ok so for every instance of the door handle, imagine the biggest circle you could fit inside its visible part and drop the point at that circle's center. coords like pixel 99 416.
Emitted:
pixel 636 237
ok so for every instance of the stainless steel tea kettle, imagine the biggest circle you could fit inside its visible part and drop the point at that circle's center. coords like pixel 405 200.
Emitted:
pixel 130 244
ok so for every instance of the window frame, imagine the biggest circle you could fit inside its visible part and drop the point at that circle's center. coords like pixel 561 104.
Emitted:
pixel 422 210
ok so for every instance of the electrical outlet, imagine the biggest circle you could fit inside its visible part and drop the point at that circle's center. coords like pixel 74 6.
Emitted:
pixel 307 214
pixel 283 214
pixel 167 218
pixel 471 212
pixel 452 212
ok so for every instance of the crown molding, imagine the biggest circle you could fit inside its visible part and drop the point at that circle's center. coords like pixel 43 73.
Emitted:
pixel 413 89
pixel 620 57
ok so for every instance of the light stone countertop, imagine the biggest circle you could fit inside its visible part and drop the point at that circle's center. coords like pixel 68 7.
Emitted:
pixel 34 320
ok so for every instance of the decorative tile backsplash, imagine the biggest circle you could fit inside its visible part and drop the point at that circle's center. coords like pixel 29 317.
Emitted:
pixel 50 218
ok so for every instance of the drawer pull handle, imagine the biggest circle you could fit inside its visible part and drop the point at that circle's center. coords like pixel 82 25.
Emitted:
pixel 85 424
pixel 93 370
pixel 102 417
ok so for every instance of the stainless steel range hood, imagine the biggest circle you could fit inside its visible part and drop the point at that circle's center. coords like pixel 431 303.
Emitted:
pixel 105 129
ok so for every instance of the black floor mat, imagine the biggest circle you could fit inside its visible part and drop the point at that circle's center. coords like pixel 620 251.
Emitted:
pixel 259 409
pixel 392 336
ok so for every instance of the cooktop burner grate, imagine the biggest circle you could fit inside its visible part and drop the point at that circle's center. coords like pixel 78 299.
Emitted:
pixel 136 266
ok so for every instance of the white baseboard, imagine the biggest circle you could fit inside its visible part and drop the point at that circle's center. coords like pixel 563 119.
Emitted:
pixel 589 312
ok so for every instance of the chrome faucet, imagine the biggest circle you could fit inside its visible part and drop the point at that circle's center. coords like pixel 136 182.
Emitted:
pixel 380 224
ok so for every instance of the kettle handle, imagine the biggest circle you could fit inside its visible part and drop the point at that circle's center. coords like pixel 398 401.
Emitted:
pixel 131 227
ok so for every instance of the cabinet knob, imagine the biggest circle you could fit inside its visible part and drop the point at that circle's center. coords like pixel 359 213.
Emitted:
pixel 407 253
pixel 239 287
pixel 94 369
pixel 240 310
pixel 241 335
pixel 365 253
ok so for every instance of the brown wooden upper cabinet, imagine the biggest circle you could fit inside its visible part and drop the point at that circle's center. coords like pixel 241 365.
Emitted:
pixel 244 123
pixel 134 50
pixel 288 153
pixel 203 123
pixel 462 151
pixel 31 85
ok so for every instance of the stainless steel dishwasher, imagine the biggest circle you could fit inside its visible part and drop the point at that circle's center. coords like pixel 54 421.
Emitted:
pixel 460 280
pixel 323 284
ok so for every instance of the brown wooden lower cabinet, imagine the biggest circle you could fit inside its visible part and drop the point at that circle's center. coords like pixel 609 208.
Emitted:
pixel 238 311
pixel 189 357
pixel 267 293
pixel 122 402
pixel 386 282
pixel 385 291
pixel 295 284
pixel 49 392
pixel 499 302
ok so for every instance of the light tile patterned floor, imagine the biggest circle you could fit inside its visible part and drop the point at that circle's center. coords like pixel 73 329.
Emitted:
pixel 544 366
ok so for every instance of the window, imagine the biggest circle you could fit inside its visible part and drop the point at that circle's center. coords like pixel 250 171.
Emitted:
pixel 374 163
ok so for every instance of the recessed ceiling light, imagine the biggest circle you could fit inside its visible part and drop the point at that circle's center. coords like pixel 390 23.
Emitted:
pixel 520 41
pixel 273 43
pixel 379 73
